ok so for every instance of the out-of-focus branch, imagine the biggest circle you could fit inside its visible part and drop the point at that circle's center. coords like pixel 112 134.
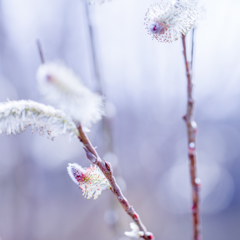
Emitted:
pixel 40 51
pixel 93 50
pixel 192 51
pixel 191 132
pixel 106 169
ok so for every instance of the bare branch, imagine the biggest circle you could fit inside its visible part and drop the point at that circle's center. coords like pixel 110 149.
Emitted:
pixel 191 131
pixel 106 169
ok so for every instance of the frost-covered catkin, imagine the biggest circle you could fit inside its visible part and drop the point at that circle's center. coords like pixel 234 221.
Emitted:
pixel 136 233
pixel 15 116
pixel 64 89
pixel 90 180
pixel 166 21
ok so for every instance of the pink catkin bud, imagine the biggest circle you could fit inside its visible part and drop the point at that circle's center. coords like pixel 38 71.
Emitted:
pixel 90 180
pixel 150 237
pixel 76 172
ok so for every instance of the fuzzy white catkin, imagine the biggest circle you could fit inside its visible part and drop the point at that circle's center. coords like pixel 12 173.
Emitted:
pixel 166 21
pixel 62 88
pixel 15 116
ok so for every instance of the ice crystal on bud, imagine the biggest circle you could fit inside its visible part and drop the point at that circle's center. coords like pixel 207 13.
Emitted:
pixel 15 116
pixel 136 233
pixel 64 89
pixel 166 21
pixel 197 181
pixel 194 124
pixel 192 145
pixel 91 180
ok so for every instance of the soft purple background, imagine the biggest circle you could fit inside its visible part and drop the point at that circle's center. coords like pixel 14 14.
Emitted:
pixel 146 82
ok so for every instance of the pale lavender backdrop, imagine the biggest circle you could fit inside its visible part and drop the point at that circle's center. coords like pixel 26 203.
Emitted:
pixel 146 82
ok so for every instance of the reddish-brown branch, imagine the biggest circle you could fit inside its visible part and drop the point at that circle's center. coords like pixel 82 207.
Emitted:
pixel 106 169
pixel 191 132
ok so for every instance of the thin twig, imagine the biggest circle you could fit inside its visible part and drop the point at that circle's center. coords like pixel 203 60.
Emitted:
pixel 192 52
pixel 106 169
pixel 191 131
pixel 93 50
pixel 40 51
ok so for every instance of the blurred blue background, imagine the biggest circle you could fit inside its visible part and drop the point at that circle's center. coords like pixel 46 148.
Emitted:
pixel 145 84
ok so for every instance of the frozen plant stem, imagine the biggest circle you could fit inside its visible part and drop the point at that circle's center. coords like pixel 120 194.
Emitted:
pixel 191 132
pixel 106 169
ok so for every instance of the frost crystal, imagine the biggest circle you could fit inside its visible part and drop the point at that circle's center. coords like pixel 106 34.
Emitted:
pixel 15 116
pixel 91 180
pixel 63 88
pixel 166 21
